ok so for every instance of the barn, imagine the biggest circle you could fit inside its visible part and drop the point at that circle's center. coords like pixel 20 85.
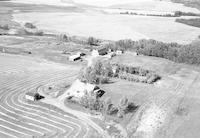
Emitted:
pixel 99 51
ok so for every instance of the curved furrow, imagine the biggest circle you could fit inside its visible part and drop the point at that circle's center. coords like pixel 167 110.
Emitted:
pixel 32 128
pixel 6 135
pixel 27 119
pixel 81 128
pixel 43 113
pixel 12 131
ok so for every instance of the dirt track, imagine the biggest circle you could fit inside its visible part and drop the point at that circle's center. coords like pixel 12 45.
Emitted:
pixel 166 112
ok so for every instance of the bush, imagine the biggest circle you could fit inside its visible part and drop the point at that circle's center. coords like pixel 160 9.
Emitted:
pixel 112 110
pixel 36 32
pixel 4 27
pixel 30 26
pixel 125 106
pixel 152 78
pixel 63 38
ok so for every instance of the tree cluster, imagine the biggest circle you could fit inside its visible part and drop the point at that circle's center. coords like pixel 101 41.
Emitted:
pixel 135 74
pixel 99 73
pixel 93 41
pixel 106 107
pixel 125 106
pixel 91 102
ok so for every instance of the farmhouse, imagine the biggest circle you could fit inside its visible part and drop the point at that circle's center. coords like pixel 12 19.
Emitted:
pixel 33 96
pixel 135 54
pixel 110 55
pixel 99 51
pixel 74 57
pixel 78 89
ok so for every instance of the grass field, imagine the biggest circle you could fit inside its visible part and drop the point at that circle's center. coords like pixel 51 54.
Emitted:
pixel 60 19
pixel 174 99
pixel 189 3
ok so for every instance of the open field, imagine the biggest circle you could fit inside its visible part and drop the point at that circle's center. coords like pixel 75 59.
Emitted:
pixel 95 22
pixel 189 3
pixel 105 26
pixel 165 107
pixel 45 47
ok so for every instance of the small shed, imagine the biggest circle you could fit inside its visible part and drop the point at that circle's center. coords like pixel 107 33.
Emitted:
pixel 33 96
pixel 135 54
pixel 119 52
pixel 81 54
pixel 74 57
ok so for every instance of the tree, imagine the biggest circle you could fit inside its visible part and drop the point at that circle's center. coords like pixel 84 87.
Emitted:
pixel 93 41
pixel 122 107
pixel 30 25
pixel 107 105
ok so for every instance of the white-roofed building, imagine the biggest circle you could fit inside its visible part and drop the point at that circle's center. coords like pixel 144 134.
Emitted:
pixel 74 57
pixel 78 89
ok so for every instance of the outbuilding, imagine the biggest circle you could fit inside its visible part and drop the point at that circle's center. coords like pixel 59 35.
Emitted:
pixel 74 57
pixel 119 52
pixel 33 96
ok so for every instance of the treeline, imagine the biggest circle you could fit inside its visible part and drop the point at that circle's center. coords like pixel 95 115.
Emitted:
pixel 192 22
pixel 79 40
pixel 135 74
pixel 180 13
pixel 176 14
pixel 189 54
pixel 142 14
